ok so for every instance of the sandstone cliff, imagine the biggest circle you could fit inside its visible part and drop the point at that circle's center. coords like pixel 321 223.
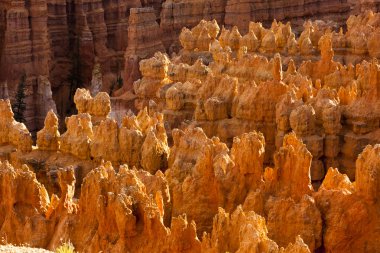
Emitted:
pixel 61 41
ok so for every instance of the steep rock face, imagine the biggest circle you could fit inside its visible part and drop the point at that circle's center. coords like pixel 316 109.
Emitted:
pixel 11 131
pixel 142 27
pixel 244 232
pixel 44 101
pixel 340 201
pixel 28 206
pixel 25 51
pixel 316 114
pixel 59 29
pixel 229 181
pixel 103 206
pixel 61 41
pixel 287 192
pixel 203 176
pixel 239 14
pixel 116 16
pixel 25 47
pixel 368 5
pixel 23 197
pixel 126 215
pixel 195 164
pixel 178 14
pixel 144 40
pixel 76 35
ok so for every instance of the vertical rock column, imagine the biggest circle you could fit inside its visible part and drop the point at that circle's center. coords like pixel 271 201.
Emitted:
pixel 58 28
pixel 16 44
pixel 116 15
pixel 331 122
pixel 302 121
pixel 144 39
pixel 26 50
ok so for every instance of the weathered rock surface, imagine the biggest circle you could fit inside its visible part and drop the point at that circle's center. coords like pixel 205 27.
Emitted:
pixel 245 171
pixel 244 232
pixel 144 40
pixel 61 41
pixel 48 137
pixel 98 107
pixel 11 131
pixel 350 210
pixel 227 86
pixel 103 207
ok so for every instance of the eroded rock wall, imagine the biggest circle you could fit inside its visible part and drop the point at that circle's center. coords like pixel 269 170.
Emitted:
pixel 229 84
pixel 269 122
pixel 116 188
pixel 61 41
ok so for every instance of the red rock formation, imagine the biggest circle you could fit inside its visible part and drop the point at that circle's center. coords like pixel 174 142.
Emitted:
pixel 25 50
pixel 130 210
pixel 23 197
pixel 244 232
pixel 240 14
pixel 62 40
pixel 13 132
pixel 144 40
pixel 117 185
pixel 223 99
pixel 126 214
pixel 178 14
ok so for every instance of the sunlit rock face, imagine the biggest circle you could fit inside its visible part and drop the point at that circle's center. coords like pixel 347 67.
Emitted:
pixel 229 84
pixel 60 42
pixel 196 196
pixel 256 140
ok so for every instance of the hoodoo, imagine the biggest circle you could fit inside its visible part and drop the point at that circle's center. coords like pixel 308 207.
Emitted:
pixel 189 126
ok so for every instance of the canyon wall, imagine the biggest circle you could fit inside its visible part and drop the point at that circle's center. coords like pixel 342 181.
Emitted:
pixel 61 41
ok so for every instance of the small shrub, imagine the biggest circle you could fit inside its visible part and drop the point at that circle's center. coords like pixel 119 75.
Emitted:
pixel 66 247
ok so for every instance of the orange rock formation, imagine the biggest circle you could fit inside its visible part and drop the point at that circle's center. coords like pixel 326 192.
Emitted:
pixel 229 152
pixel 60 42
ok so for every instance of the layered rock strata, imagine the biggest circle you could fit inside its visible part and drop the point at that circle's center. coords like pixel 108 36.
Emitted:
pixel 242 173
pixel 144 40
pixel 62 40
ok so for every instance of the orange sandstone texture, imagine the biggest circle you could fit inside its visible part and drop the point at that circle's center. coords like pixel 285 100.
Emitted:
pixel 230 84
pixel 228 153
pixel 132 206
pixel 59 42
pixel 210 198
